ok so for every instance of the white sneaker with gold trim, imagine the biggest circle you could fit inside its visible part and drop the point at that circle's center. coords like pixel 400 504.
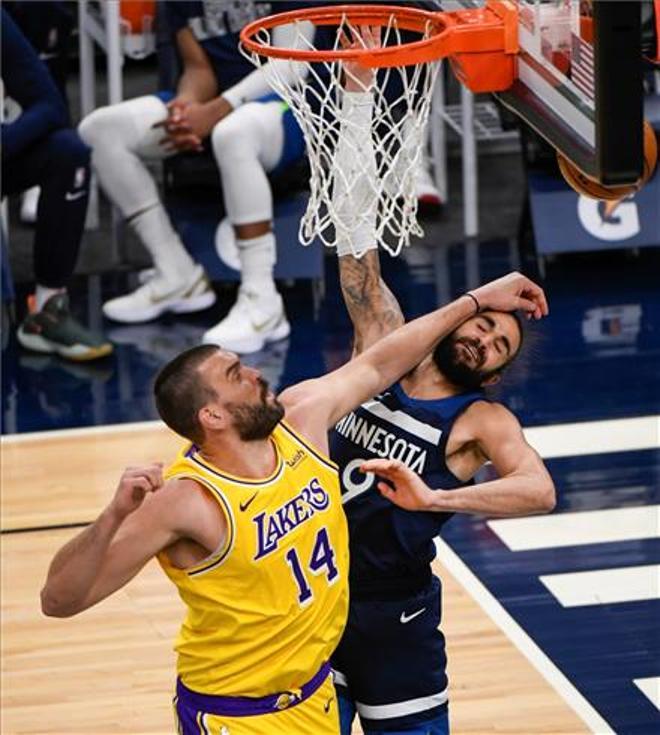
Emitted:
pixel 158 296
pixel 252 321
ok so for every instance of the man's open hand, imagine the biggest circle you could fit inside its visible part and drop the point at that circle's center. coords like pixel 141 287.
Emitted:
pixel 410 492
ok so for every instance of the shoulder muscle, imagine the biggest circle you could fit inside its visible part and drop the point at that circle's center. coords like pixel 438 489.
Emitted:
pixel 194 513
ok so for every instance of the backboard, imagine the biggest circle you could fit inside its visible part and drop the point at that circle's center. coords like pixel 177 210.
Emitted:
pixel 578 81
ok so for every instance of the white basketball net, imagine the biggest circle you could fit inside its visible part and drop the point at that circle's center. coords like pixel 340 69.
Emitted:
pixel 375 194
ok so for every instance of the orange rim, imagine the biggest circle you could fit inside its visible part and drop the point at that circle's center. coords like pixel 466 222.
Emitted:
pixel 484 29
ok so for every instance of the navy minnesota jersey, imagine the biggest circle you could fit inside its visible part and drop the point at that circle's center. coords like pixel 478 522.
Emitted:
pixel 391 548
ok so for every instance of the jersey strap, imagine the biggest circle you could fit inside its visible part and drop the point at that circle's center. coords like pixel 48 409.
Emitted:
pixel 306 444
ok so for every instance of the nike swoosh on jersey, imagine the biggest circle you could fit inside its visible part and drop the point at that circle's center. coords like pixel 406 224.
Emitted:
pixel 246 504
pixel 407 618
pixel 72 196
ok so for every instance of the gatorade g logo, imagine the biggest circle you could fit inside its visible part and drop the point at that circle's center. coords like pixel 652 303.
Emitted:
pixel 609 221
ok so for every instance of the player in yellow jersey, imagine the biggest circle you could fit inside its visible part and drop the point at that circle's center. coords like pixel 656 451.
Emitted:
pixel 248 525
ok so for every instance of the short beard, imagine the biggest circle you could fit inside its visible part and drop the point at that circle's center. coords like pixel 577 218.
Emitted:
pixel 450 364
pixel 256 422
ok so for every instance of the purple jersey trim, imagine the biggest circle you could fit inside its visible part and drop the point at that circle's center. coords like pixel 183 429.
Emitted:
pixel 250 706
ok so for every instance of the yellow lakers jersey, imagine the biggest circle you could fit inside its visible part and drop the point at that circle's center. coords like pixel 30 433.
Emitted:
pixel 265 611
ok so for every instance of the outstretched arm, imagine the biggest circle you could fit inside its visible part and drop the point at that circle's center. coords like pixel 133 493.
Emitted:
pixel 76 568
pixel 523 487
pixel 316 405
pixel 373 308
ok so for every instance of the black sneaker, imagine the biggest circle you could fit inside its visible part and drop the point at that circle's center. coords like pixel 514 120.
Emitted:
pixel 53 329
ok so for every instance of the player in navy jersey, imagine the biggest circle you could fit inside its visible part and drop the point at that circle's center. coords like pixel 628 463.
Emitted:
pixel 437 424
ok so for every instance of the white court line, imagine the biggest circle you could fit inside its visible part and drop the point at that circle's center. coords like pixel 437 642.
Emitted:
pixel 520 639
pixel 578 529
pixel 595 437
pixel 82 431
pixel 651 688
pixel 605 586
pixel 559 440
pixel 556 440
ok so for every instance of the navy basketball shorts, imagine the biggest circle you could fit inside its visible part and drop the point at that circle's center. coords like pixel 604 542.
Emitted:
pixel 390 663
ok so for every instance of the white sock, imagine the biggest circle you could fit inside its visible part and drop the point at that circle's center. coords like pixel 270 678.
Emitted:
pixel 257 256
pixel 170 257
pixel 43 293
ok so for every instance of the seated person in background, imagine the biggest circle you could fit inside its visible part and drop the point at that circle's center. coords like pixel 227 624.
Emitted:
pixel 39 148
pixel 47 25
pixel 221 97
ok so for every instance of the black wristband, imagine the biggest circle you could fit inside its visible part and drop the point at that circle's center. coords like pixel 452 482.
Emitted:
pixel 476 302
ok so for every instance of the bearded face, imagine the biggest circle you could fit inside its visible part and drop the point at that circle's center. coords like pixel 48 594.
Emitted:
pixel 477 351
pixel 255 421
pixel 460 359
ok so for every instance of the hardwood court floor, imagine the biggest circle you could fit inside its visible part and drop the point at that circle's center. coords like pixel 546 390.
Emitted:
pixel 110 670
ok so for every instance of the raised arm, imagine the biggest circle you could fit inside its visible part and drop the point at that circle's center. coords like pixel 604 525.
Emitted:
pixel 316 405
pixel 144 517
pixel 523 487
pixel 373 308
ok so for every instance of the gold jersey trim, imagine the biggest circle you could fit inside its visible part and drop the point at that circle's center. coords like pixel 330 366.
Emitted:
pixel 310 447
pixel 214 560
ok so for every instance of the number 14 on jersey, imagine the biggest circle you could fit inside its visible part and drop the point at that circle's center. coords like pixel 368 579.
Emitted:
pixel 320 561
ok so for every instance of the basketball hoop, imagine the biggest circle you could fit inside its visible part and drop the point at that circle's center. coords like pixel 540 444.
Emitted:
pixel 310 75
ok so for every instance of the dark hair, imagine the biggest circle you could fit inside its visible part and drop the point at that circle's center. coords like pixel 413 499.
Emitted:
pixel 520 323
pixel 180 392
pixel 518 368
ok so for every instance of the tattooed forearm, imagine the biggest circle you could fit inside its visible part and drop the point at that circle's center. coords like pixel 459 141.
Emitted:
pixel 371 305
